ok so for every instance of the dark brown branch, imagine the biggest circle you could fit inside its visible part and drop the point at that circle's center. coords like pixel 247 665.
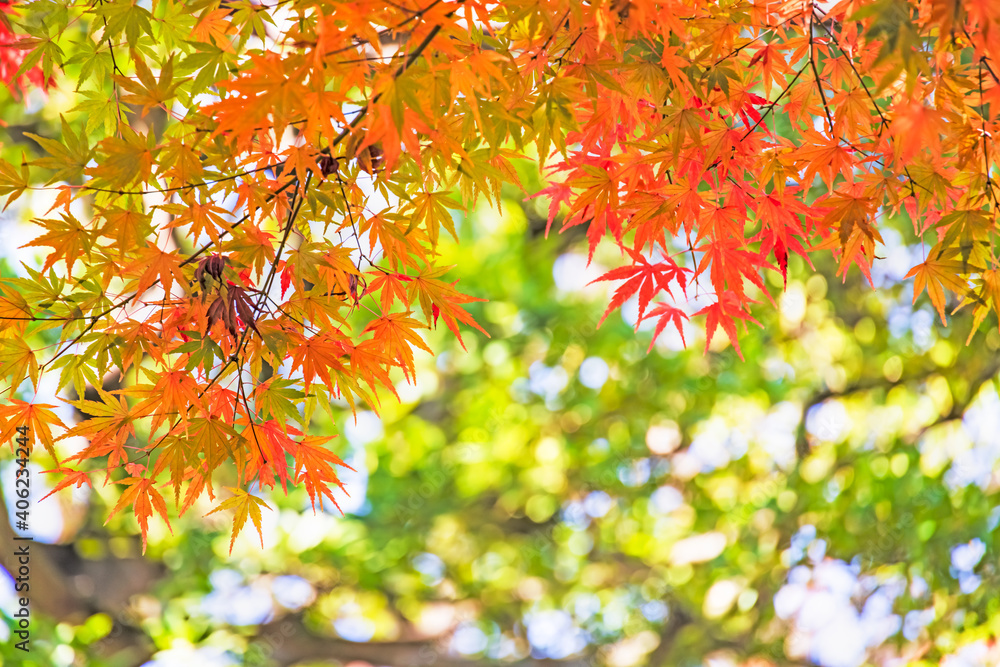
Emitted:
pixel 819 83
pixel 958 408
pixel 289 642
pixel 870 384
pixel 67 588
pixel 677 621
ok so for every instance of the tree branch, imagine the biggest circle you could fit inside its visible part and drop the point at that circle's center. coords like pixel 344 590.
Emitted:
pixel 288 641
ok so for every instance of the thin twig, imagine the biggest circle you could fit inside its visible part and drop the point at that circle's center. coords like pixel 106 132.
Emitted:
pixel 819 84
pixel 871 98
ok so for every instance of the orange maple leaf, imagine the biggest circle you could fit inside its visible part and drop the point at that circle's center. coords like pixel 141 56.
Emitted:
pixel 438 298
pixel 157 266
pixel 144 498
pixel 36 416
pixel 314 469
pixel 934 274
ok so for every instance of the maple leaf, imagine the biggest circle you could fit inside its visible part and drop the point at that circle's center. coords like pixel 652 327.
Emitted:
pixel 934 274
pixel 243 504
pixel 667 314
pixel 558 194
pixel 781 256
pixel 266 87
pixel 17 361
pixel 276 398
pixel 274 441
pixel 644 279
pixel 180 455
pixel 174 391
pixel 214 27
pixel 124 160
pixel 252 247
pixel 70 477
pixel 214 438
pixel 68 157
pixel 391 288
pixel 317 355
pixel 13 182
pixel 849 213
pixel 432 294
pixel 729 263
pixel 36 416
pixel 127 227
pixel 369 364
pixel 600 200
pixel 396 332
pixel 966 232
pixel 430 209
pixel 112 421
pixel 144 498
pixel 155 265
pixel 725 312
pixel 986 298
pixel 239 301
pixel 14 310
pixel 400 246
pixel 205 218
pixel 314 470
pixel 916 127
pixel 148 91
pixel 826 156
pixel 70 241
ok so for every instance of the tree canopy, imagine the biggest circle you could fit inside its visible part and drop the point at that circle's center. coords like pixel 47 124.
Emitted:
pixel 246 219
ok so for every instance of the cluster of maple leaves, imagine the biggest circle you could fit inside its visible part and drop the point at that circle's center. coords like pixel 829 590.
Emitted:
pixel 266 186
pixel 17 76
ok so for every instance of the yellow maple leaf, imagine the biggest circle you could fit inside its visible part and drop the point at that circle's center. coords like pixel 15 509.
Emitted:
pixel 243 504
pixel 17 361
